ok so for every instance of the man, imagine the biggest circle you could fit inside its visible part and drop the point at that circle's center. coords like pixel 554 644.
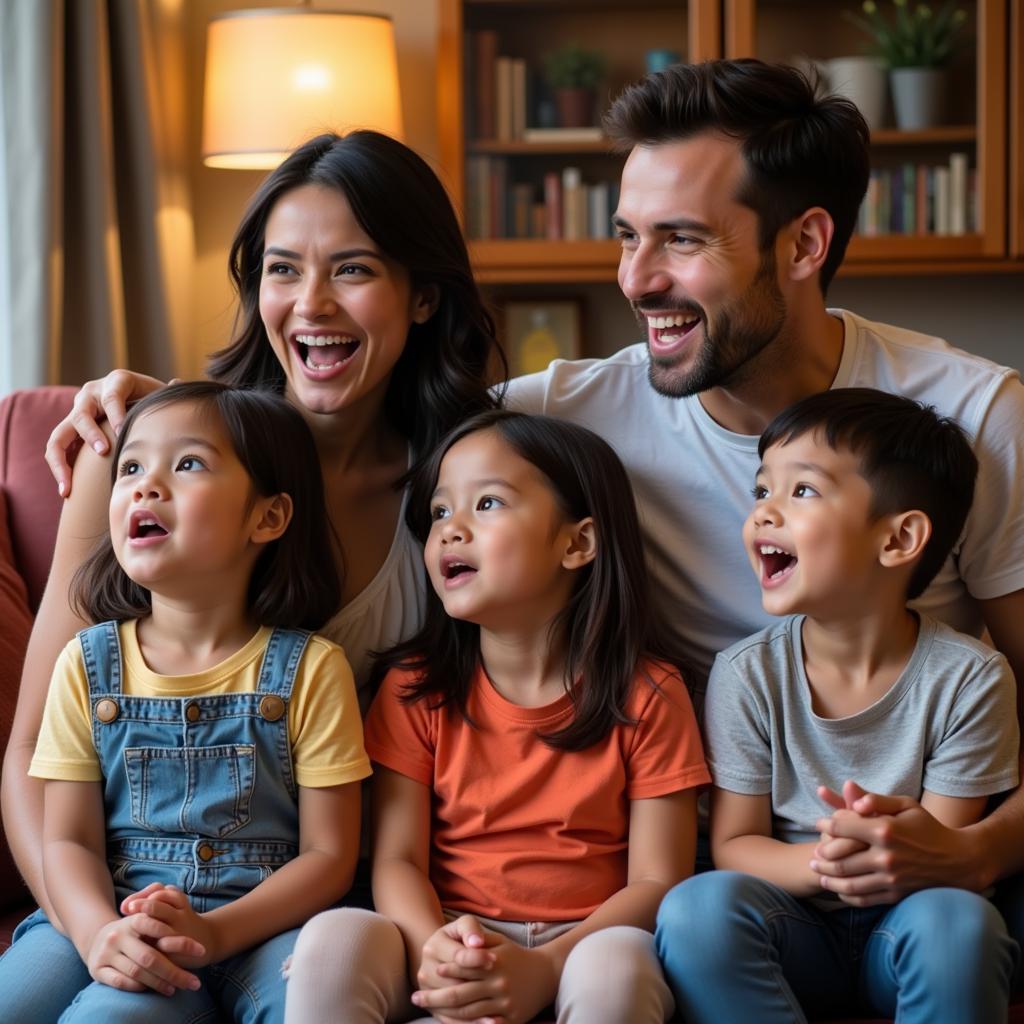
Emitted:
pixel 738 199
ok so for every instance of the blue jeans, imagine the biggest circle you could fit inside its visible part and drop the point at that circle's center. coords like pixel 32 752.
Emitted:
pixel 736 948
pixel 40 974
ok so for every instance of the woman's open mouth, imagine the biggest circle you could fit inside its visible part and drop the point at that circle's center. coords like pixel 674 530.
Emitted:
pixel 324 352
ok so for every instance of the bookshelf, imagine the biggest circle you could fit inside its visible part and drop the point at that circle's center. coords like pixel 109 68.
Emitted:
pixel 974 140
pixel 986 124
pixel 506 188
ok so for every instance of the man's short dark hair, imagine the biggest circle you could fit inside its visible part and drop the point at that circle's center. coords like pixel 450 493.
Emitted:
pixel 801 148
pixel 911 457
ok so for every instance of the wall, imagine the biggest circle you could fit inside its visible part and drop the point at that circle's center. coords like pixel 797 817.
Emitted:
pixel 984 314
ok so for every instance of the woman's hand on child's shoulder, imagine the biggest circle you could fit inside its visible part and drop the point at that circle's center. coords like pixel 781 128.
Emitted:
pixel 514 986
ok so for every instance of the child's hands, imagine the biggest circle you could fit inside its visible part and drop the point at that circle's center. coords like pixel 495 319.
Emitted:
pixel 123 955
pixel 834 855
pixel 456 951
pixel 519 984
pixel 171 907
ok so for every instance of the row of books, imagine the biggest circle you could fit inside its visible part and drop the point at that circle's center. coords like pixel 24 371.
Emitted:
pixel 921 199
pixel 561 206
pixel 508 101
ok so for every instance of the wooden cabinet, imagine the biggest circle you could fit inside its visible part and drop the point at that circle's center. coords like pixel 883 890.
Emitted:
pixel 984 127
pixel 793 30
pixel 527 30
pixel 1017 129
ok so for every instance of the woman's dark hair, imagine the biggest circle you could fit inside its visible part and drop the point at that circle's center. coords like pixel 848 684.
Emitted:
pixel 441 376
pixel 801 149
pixel 274 445
pixel 911 457
pixel 609 624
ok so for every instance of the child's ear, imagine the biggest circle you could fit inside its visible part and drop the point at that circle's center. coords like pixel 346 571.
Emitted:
pixel 273 520
pixel 905 538
pixel 582 547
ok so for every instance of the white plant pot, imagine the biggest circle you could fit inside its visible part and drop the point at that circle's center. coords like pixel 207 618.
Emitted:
pixel 918 97
pixel 862 80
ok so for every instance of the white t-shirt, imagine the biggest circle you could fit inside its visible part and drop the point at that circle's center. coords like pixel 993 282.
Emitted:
pixel 389 609
pixel 693 479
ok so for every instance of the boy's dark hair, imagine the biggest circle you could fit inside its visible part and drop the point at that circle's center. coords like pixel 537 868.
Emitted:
pixel 442 374
pixel 293 582
pixel 910 456
pixel 610 622
pixel 801 149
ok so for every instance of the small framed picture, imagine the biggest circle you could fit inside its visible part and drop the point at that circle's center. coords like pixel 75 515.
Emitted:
pixel 537 331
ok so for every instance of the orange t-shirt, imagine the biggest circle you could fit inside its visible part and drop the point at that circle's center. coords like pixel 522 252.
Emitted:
pixel 521 832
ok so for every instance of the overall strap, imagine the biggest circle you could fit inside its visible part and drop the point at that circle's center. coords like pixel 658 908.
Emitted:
pixel 101 655
pixel 281 661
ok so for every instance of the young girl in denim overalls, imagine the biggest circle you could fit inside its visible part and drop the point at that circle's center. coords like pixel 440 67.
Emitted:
pixel 202 750
pixel 538 762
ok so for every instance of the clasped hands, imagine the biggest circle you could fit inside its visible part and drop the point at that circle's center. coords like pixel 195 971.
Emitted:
pixel 469 973
pixel 149 947
pixel 876 849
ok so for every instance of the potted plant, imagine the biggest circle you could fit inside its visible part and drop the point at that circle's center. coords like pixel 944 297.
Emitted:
pixel 916 44
pixel 574 74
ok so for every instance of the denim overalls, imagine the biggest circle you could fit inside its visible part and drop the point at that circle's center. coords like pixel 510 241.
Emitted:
pixel 199 792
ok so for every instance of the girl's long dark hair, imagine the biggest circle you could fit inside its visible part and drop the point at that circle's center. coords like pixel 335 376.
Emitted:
pixel 441 376
pixel 293 582
pixel 610 622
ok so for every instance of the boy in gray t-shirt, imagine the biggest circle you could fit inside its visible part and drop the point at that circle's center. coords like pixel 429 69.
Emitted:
pixel 859 499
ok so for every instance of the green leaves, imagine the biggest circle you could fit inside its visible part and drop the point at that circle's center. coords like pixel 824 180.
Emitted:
pixel 912 37
pixel 573 67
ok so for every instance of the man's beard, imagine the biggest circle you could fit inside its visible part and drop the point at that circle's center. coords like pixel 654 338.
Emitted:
pixel 743 329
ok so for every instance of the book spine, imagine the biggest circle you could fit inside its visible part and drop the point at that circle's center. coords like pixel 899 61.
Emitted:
pixel 942 200
pixel 958 193
pixel 485 46
pixel 552 206
pixel 503 94
pixel 921 196
pixel 598 218
pixel 909 199
pixel 518 98
pixel 572 186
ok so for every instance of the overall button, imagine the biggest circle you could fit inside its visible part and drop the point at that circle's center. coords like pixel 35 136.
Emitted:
pixel 192 712
pixel 107 710
pixel 272 707
pixel 205 852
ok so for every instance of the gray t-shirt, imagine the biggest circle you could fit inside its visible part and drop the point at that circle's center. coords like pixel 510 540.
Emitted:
pixel 948 724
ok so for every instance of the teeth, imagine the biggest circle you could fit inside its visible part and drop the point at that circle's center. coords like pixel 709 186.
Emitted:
pixel 661 322
pixel 322 340
pixel 321 366
pixel 768 549
pixel 146 522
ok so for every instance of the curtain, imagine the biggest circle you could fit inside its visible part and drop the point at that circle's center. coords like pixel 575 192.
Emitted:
pixel 96 243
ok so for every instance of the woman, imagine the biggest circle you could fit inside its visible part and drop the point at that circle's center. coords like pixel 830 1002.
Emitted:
pixel 357 300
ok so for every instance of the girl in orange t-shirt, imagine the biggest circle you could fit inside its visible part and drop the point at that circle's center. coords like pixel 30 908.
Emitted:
pixel 537 766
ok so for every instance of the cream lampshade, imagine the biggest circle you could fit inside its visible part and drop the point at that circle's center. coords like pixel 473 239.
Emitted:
pixel 276 77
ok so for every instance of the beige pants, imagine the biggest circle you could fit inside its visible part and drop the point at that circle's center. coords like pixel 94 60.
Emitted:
pixel 349 967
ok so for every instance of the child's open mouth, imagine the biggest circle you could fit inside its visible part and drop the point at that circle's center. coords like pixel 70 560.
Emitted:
pixel 776 563
pixel 143 525
pixel 455 571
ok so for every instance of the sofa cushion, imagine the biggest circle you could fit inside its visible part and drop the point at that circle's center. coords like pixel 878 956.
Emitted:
pixel 15 626
pixel 26 419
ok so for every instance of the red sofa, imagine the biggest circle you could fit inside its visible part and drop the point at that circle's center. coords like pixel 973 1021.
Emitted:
pixel 29 510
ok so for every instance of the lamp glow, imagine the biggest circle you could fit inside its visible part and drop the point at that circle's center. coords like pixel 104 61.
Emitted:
pixel 274 78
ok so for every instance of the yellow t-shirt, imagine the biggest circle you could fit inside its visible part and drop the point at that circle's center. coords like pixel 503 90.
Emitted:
pixel 324 725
